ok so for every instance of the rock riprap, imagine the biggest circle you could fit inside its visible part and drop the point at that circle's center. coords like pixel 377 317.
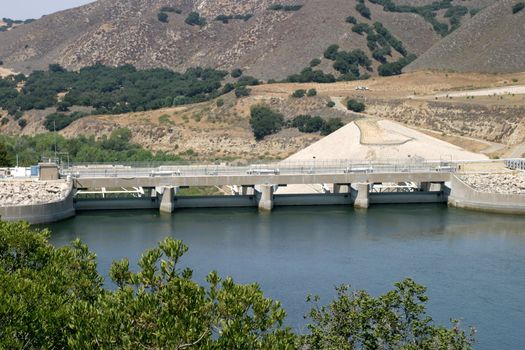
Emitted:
pixel 505 183
pixel 19 193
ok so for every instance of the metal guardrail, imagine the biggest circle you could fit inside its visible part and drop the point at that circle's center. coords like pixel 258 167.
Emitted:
pixel 313 167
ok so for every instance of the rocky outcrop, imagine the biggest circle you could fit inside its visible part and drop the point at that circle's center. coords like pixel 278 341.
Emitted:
pixel 503 183
pixel 23 193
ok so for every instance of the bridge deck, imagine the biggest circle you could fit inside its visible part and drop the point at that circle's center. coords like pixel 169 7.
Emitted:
pixel 276 174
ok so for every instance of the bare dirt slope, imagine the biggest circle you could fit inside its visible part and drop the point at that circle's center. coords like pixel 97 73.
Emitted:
pixel 492 41
pixel 271 44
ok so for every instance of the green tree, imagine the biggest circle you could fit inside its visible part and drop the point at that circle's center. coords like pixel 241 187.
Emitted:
pixel 300 93
pixel 360 28
pixel 331 52
pixel 396 320
pixel 236 73
pixel 315 62
pixel 355 105
pixel 163 17
pixel 311 92
pixel 264 121
pixel 194 18
pixel 54 299
pixel 242 91
pixel 518 7
pixel 22 123
pixel 331 125
pixel 6 158
pixel 363 10
pixel 351 19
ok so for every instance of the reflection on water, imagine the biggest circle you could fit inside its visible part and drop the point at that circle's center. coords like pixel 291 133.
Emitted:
pixel 472 263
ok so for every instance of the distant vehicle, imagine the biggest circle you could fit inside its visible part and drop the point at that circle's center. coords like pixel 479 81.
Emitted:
pixel 263 172
pixel 362 88
pixel 445 169
pixel 165 173
pixel 365 170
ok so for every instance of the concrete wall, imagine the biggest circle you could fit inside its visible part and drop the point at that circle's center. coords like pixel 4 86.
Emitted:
pixel 463 196
pixel 41 213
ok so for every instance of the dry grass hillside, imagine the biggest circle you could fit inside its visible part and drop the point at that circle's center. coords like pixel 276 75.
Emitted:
pixel 494 125
pixel 492 41
pixel 271 44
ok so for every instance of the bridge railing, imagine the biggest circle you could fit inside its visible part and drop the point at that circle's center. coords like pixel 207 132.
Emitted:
pixel 515 164
pixel 309 167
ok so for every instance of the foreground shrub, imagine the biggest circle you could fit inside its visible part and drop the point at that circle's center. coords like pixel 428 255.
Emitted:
pixel 264 121
pixel 54 298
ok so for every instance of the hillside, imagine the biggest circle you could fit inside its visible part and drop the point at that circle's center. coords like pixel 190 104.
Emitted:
pixel 491 42
pixel 270 44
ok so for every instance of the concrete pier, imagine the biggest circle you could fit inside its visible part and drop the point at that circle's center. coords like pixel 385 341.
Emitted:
pixel 362 199
pixel 167 204
pixel 265 197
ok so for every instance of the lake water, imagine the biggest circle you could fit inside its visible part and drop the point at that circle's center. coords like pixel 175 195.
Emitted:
pixel 472 263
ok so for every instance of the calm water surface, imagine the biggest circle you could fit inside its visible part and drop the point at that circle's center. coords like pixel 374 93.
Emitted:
pixel 472 263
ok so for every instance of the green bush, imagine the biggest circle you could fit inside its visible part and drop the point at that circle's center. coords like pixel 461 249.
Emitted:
pixel 163 17
pixel 236 73
pixel 309 124
pixel 518 7
pixel 351 19
pixel 360 28
pixel 363 10
pixel 333 124
pixel 300 93
pixel 395 68
pixel 308 75
pixel 311 92
pixel 227 88
pixel 4 121
pixel 242 91
pixel 248 80
pixel 227 18
pixel 330 104
pixel 264 121
pixel 331 52
pixel 355 106
pixel 315 62
pixel 194 18
pixel 22 123
pixel 63 106
pixel 59 121
pixel 281 7
pixel 170 9
pixel 220 102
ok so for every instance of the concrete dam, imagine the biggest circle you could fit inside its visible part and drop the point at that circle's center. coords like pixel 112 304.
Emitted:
pixel 341 182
